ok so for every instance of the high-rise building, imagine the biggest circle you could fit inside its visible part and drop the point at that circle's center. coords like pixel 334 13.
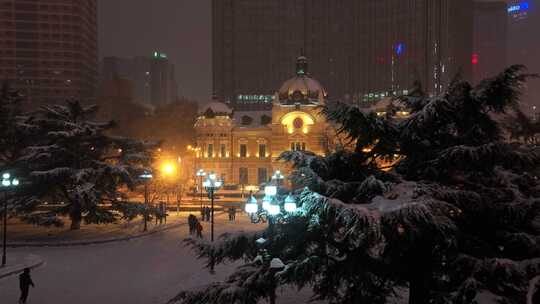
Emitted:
pixel 48 49
pixel 359 50
pixel 523 46
pixel 153 77
pixel 490 39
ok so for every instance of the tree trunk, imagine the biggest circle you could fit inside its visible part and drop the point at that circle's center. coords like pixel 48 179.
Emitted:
pixel 75 214
pixel 419 287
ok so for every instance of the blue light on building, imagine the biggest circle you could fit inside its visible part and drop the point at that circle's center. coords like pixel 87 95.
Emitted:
pixel 520 7
pixel 400 48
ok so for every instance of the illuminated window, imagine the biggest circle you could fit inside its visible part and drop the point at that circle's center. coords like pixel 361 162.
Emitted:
pixel 243 176
pixel 243 150
pixel 210 151
pixel 262 175
pixel 262 150
pixel 223 150
pixel 298 146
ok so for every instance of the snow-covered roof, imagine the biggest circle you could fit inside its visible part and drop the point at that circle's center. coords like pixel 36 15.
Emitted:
pixel 301 83
pixel 256 117
pixel 216 107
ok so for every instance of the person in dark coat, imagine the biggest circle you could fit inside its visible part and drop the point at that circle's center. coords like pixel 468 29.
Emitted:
pixel 208 211
pixel 191 223
pixel 25 281
pixel 199 228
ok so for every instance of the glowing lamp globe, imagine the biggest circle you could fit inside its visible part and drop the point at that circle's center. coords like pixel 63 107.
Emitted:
pixel 6 176
pixel 290 204
pixel 273 209
pixel 6 183
pixel 217 184
pixel 251 205
pixel 15 182
pixel 206 183
pixel 251 208
pixel 270 190
pixel 266 202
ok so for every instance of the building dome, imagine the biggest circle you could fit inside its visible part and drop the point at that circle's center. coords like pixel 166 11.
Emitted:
pixel 301 89
pixel 214 108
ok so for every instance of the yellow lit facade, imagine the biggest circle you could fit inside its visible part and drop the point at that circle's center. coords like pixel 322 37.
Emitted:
pixel 243 147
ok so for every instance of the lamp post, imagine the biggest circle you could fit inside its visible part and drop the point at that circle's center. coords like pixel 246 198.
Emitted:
pixel 212 184
pixel 200 174
pixel 271 206
pixel 7 182
pixel 146 177
pixel 278 177
pixel 170 170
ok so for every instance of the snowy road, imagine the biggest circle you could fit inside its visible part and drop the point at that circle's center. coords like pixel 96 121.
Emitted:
pixel 147 270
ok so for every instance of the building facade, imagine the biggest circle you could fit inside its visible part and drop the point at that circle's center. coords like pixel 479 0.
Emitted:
pixel 361 50
pixel 490 39
pixel 243 146
pixel 523 46
pixel 153 77
pixel 49 49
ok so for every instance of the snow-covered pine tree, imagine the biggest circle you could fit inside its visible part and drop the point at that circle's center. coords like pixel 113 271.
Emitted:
pixel 74 161
pixel 456 221
pixel 16 133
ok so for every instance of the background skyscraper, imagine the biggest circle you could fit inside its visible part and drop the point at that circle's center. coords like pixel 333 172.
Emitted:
pixel 523 45
pixel 359 50
pixel 490 38
pixel 48 49
pixel 152 77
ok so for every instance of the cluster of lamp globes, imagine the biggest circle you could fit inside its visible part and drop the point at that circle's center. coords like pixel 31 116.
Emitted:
pixel 269 203
pixel 212 182
pixel 7 181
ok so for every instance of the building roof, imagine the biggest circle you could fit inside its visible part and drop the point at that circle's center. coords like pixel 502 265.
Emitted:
pixel 302 88
pixel 216 107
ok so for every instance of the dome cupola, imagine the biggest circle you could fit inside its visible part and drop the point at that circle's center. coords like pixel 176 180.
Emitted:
pixel 301 89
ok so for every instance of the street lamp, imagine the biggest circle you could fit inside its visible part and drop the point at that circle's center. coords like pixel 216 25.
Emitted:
pixel 271 206
pixel 7 182
pixel 200 174
pixel 278 177
pixel 212 184
pixel 146 177
pixel 169 169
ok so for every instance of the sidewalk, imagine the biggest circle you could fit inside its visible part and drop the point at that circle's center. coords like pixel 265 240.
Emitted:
pixel 17 263
pixel 22 235
pixel 95 234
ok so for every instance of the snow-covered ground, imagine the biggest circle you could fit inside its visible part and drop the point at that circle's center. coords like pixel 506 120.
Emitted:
pixel 148 270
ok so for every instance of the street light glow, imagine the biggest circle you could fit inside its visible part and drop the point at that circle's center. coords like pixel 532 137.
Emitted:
pixel 168 168
pixel 6 176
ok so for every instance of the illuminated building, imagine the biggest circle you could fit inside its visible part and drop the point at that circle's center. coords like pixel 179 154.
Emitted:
pixel 48 49
pixel 362 50
pixel 153 77
pixel 243 146
pixel 490 39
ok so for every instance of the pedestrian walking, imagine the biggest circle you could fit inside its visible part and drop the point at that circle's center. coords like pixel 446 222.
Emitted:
pixel 203 213
pixel 199 230
pixel 25 281
pixel 191 222
pixel 208 211
pixel 234 214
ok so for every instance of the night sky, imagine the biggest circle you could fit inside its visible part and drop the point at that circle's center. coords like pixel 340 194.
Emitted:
pixel 179 28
